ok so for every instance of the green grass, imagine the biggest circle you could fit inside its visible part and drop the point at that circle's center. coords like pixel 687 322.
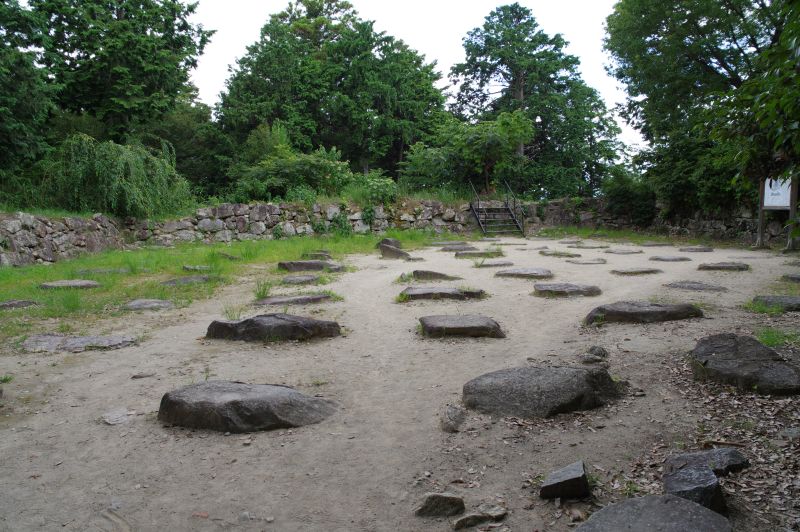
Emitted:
pixel 5 379
pixel 762 308
pixel 263 288
pixel 772 337
pixel 233 312
pixel 616 235
pixel 147 268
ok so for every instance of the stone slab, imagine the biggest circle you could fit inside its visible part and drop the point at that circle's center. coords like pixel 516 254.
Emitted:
pixel 80 284
pixel 623 251
pixel 428 275
pixel 13 304
pixel 300 279
pixel 696 249
pixel 54 343
pixel 641 312
pixel 149 304
pixel 670 258
pixel 526 273
pixel 478 254
pixel 460 325
pixel 565 290
pixel 587 262
pixel 273 327
pixel 494 264
pixel 310 266
pixel 414 293
pixel 636 271
pixel 305 299
pixel 725 266
pixel 656 513
pixel 561 254
pixel 569 482
pixel 785 303
pixel 696 286
pixel 722 461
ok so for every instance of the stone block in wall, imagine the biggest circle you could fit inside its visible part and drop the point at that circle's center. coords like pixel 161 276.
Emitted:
pixel 332 211
pixel 273 209
pixel 259 213
pixel 23 239
pixel 224 236
pixel 186 235
pixel 204 212
pixel 241 209
pixel 380 225
pixel 355 216
pixel 426 213
pixel 223 210
pixel 288 229
pixel 211 225
pixel 10 225
pixel 245 236
pixel 449 215
pixel 408 217
pixel 258 228
pixel 74 224
pixel 360 227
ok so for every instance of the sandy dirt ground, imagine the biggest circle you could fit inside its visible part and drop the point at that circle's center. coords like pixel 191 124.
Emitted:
pixel 366 467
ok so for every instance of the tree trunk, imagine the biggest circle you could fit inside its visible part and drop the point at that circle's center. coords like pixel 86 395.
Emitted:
pixel 760 236
pixel 791 241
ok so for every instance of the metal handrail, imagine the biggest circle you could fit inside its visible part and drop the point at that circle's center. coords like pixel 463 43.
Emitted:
pixel 513 209
pixel 474 206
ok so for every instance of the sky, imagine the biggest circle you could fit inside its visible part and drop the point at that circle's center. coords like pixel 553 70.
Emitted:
pixel 435 28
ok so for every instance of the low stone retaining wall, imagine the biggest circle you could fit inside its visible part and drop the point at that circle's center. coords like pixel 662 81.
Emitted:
pixel 25 238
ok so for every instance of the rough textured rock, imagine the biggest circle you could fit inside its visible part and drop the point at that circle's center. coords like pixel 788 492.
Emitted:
pixel 494 264
pixel 624 251
pixel 300 279
pixel 485 513
pixel 478 254
pixel 69 283
pixel 785 303
pixel 725 266
pixel 722 461
pixel 670 258
pixel 557 253
pixel 568 482
pixel 746 363
pixel 273 327
pixel 440 505
pixel 389 242
pixel 310 266
pixel 792 277
pixel 413 293
pixel 304 299
pixel 697 249
pixel 641 312
pixel 149 304
pixel 697 484
pixel 239 407
pixel 656 244
pixel 538 392
pixel 462 325
pixel 13 304
pixel 565 290
pixel 636 271
pixel 458 247
pixel 587 262
pixel 656 513
pixel 696 286
pixel 452 418
pixel 53 343
pixel 598 351
pixel 427 275
pixel 526 273
pixel 189 279
pixel 391 252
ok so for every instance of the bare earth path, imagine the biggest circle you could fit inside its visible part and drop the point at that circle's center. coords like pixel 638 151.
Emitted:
pixel 364 468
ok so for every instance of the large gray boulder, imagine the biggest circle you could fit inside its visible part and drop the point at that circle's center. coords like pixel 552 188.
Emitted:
pixel 539 392
pixel 461 325
pixel 746 363
pixel 526 273
pixel 273 327
pixel 69 283
pixel 309 266
pixel 696 286
pixel 656 513
pixel 785 303
pixel 641 312
pixel 238 407
pixel 569 482
pixel 565 290
pixel 391 252
pixel 414 293
pixel 389 242
pixel 697 484
pixel 724 266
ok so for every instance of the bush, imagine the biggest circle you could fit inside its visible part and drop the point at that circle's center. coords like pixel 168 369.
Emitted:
pixel 370 189
pixel 85 175
pixel 302 194
pixel 629 196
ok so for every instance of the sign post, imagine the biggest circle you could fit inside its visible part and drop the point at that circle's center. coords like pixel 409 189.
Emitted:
pixel 777 195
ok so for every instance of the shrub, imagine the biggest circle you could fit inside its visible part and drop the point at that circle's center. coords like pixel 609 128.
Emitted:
pixel 340 224
pixel 372 188
pixel 302 194
pixel 86 175
pixel 629 196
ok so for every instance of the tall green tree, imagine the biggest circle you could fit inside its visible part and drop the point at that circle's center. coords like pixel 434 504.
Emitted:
pixel 122 61
pixel 511 64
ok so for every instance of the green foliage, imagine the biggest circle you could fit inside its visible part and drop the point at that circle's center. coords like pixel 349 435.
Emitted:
pixel 86 175
pixel 368 215
pixel 772 337
pixel 371 189
pixel 629 196
pixel 263 288
pixel 340 224
pixel 277 232
pixel 302 194
pixel 124 64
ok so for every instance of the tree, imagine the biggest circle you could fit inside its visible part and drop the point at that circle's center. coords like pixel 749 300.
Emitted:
pixel 512 65
pixel 122 61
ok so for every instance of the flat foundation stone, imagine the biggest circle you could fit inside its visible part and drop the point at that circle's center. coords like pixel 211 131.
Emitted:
pixel 589 246
pixel 670 258
pixel 696 286
pixel 427 275
pixel 697 484
pixel 305 299
pixel 539 392
pixel 744 362
pixel 310 266
pixel 414 293
pixel 526 273
pixel 587 262
pixel 636 271
pixel 725 266
pixel 316 255
pixel 54 343
pixel 722 461
pixel 458 247
pixel 656 244
pixel 440 505
pixel 391 252
pixel 791 277
pixel 656 513
pixel 641 312
pixel 273 327
pixel 785 303
pixel 238 407
pixel 494 264
pixel 478 254
pixel 557 253
pixel 70 283
pixel 460 325
pixel 568 482
pixel 149 304
pixel 300 279
pixel 188 280
pixel 389 242
pixel 441 243
pixel 103 271
pixel 696 249
pixel 623 251
pixel 194 268
pixel 13 304
pixel 565 290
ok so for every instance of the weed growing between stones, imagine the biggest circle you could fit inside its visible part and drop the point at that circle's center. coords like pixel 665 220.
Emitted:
pixel 233 312
pixel 772 337
pixel 5 379
pixel 762 308
pixel 263 288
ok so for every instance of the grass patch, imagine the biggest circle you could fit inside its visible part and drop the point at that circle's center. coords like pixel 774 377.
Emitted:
pixel 404 278
pixel 762 308
pixel 233 312
pixel 5 379
pixel 772 337
pixel 401 298
pixel 331 294
pixel 263 288
pixel 615 235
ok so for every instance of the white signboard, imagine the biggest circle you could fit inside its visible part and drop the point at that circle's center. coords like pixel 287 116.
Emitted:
pixel 777 194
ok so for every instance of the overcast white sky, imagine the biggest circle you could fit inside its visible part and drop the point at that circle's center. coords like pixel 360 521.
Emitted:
pixel 433 27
